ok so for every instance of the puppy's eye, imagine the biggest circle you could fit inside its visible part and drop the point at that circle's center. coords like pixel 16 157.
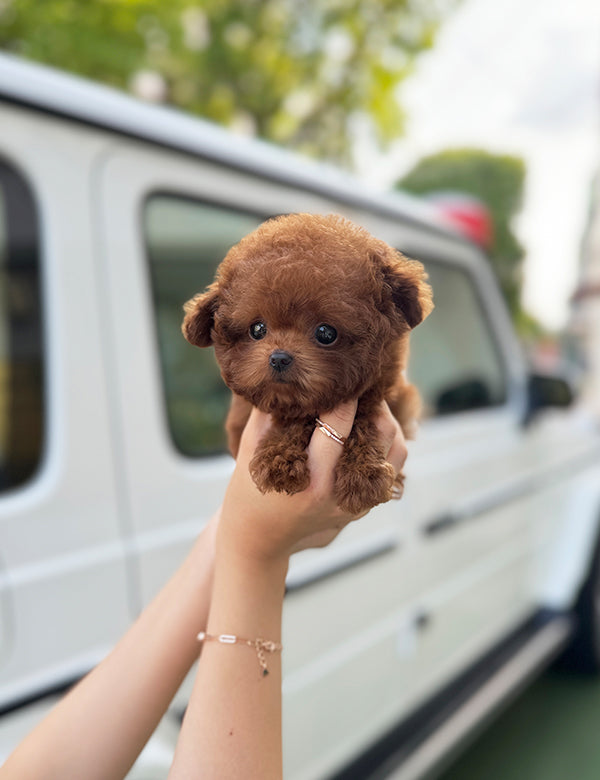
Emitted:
pixel 258 330
pixel 326 334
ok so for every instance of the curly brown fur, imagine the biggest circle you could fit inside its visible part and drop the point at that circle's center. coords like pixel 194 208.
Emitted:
pixel 293 274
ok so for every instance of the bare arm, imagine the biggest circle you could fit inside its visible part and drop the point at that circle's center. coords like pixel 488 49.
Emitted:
pixel 232 726
pixel 100 727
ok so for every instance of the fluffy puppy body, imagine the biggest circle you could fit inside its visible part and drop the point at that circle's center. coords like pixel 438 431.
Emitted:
pixel 307 312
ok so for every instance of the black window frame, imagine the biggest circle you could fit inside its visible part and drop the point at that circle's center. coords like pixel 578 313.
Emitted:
pixel 24 256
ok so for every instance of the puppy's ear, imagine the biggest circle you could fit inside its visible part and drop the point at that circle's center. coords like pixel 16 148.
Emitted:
pixel 200 317
pixel 411 294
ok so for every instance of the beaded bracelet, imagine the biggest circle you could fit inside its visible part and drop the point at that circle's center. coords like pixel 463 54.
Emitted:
pixel 261 646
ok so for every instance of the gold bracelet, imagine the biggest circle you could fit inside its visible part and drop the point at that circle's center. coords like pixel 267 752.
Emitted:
pixel 261 646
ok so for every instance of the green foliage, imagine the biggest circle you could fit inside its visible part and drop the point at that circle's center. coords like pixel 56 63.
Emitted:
pixel 498 181
pixel 294 71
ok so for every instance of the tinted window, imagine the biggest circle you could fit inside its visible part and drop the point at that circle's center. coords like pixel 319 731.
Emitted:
pixel 454 361
pixel 186 240
pixel 21 358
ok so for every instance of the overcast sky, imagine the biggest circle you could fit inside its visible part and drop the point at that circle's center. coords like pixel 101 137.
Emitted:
pixel 517 76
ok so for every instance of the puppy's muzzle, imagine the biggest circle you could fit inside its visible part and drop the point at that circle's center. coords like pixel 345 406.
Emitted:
pixel 280 361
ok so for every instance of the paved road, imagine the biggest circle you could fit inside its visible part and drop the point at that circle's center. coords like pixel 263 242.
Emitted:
pixel 551 733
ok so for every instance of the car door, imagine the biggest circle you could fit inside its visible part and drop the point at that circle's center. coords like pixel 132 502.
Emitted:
pixel 65 594
pixel 474 530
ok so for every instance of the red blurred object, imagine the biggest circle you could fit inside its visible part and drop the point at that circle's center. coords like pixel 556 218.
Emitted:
pixel 467 214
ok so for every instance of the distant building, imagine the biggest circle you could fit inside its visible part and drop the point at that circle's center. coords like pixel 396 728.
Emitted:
pixel 585 317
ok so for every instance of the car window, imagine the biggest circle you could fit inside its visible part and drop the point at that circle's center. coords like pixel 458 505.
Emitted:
pixel 454 360
pixel 21 353
pixel 186 240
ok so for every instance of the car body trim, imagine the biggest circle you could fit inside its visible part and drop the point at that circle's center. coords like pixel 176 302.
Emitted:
pixel 512 491
pixel 438 729
pixel 340 558
pixel 472 717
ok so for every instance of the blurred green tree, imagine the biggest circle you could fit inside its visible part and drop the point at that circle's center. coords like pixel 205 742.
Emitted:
pixel 297 72
pixel 498 181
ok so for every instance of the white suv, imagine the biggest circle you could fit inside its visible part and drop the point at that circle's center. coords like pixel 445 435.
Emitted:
pixel 415 625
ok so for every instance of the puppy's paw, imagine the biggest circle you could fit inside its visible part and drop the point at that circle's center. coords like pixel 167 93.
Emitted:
pixel 360 489
pixel 281 471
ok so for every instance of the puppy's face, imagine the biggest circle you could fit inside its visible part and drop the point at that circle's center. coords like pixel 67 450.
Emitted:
pixel 304 312
pixel 288 344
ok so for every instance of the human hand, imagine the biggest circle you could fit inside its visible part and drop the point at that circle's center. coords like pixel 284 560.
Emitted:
pixel 268 528
pixel 393 444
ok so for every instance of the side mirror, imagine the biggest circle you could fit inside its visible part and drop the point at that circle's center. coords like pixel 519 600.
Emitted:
pixel 544 392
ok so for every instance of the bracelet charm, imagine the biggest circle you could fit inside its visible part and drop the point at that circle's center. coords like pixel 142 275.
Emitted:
pixel 261 646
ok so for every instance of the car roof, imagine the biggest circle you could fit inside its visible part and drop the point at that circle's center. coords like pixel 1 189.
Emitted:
pixel 61 94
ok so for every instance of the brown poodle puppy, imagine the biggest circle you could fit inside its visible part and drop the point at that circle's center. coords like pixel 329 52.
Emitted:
pixel 306 312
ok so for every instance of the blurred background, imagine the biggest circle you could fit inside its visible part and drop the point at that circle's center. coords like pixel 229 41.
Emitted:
pixel 488 110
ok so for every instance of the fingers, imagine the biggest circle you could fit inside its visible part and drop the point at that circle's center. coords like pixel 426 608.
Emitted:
pixel 391 437
pixel 397 453
pixel 324 451
pixel 256 427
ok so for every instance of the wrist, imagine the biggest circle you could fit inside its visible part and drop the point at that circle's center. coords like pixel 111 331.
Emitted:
pixel 240 565
pixel 250 553
pixel 247 597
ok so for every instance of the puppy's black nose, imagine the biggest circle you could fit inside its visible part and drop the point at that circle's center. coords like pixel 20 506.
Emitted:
pixel 280 360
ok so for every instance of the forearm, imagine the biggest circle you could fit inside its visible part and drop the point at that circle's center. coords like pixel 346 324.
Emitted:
pixel 100 727
pixel 232 726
